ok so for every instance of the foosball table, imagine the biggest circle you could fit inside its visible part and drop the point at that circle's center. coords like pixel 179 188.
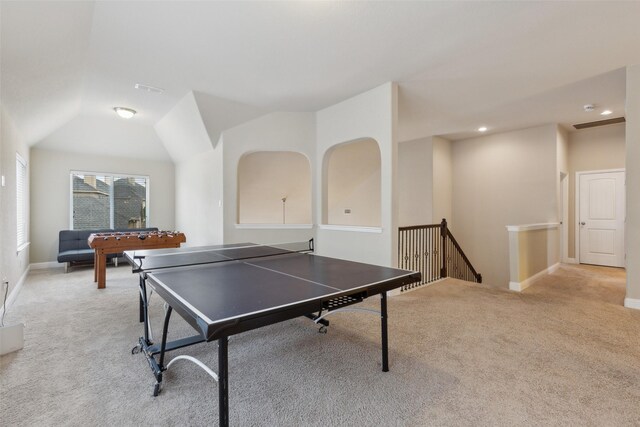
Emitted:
pixel 117 242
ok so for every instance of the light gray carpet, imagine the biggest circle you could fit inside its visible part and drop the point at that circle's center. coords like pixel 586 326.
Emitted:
pixel 564 352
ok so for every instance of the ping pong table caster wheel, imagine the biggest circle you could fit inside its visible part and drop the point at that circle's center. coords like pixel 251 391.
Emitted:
pixel 323 329
pixel 135 350
pixel 156 389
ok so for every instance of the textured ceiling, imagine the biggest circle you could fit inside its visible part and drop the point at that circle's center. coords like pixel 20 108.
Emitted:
pixel 459 65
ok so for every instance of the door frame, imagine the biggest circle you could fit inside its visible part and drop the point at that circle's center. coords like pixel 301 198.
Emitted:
pixel 576 212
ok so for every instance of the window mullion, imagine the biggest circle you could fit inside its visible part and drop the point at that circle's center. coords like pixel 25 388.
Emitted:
pixel 111 202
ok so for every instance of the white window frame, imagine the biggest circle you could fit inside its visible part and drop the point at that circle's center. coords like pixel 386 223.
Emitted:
pixel 22 240
pixel 114 176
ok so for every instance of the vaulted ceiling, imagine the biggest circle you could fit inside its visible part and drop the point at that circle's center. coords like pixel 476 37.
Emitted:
pixel 65 65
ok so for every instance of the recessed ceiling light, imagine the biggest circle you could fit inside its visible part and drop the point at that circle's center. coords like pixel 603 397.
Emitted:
pixel 482 129
pixel 125 113
pixel 606 113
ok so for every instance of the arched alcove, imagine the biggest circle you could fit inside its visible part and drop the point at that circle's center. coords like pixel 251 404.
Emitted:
pixel 352 184
pixel 274 187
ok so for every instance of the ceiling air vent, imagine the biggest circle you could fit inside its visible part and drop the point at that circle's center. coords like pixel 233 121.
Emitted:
pixel 148 88
pixel 599 123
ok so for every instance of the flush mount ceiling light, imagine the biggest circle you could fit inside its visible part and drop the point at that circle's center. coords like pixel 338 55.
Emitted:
pixel 482 129
pixel 125 113
pixel 606 113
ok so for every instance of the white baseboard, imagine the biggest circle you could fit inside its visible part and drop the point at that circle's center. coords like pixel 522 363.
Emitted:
pixel 45 265
pixel 632 303
pixel 571 261
pixel 521 286
pixel 515 286
pixel 16 290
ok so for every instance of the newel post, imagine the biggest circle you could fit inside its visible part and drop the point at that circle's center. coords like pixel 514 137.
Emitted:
pixel 443 235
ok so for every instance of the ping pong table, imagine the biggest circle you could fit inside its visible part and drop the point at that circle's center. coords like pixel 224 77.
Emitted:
pixel 228 289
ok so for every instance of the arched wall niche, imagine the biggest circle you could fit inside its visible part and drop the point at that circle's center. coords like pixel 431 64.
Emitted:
pixel 352 184
pixel 274 187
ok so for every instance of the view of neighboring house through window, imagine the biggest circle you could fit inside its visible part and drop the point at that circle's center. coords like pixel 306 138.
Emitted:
pixel 108 201
pixel 21 201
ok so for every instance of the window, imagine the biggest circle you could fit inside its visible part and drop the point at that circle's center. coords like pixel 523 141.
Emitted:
pixel 21 201
pixel 108 201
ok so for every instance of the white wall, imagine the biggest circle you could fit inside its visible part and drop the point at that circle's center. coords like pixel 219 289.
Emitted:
pixel 198 195
pixel 632 234
pixel 425 181
pixel 592 149
pixel 353 184
pixel 265 178
pixel 372 114
pixel 499 180
pixel 442 182
pixel 532 251
pixel 273 132
pixel 562 174
pixel 50 193
pixel 13 265
pixel 415 182
pixel 562 156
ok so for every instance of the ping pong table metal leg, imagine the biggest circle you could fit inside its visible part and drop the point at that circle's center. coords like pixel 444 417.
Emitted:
pixel 142 310
pixel 385 341
pixel 317 318
pixel 163 346
pixel 223 381
pixel 159 367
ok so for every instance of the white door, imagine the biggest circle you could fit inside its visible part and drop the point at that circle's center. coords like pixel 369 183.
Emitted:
pixel 601 218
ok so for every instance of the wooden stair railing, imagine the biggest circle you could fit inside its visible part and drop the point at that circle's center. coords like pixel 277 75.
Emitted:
pixel 432 250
